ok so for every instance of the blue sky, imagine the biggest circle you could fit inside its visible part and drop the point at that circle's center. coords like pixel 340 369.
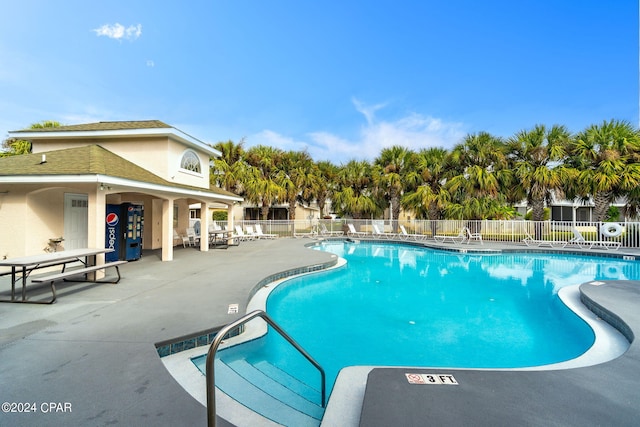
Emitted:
pixel 341 79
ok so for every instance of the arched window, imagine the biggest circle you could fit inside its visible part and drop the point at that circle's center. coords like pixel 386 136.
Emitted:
pixel 190 161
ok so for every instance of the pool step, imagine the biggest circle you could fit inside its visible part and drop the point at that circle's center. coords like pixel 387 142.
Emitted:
pixel 251 386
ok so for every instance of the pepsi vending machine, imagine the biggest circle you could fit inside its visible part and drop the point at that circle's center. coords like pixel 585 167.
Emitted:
pixel 124 225
pixel 133 236
pixel 113 234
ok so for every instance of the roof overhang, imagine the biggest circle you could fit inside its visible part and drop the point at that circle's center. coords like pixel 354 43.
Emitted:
pixel 119 183
pixel 172 133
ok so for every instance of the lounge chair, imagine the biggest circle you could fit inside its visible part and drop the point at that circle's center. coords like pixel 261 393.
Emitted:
pixel 353 233
pixel 260 235
pixel 249 231
pixel 381 234
pixel 241 235
pixel 472 236
pixel 312 233
pixel 406 236
pixel 325 232
pixel 459 238
pixel 529 240
pixel 579 240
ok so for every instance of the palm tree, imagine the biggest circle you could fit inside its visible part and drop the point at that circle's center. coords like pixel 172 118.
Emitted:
pixel 229 168
pixel 326 183
pixel 395 170
pixel 428 198
pixel 532 154
pixel 476 188
pixel 298 177
pixel 14 146
pixel 355 195
pixel 260 181
pixel 605 158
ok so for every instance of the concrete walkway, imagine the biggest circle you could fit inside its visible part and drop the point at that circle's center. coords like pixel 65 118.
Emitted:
pixel 90 359
pixel 92 353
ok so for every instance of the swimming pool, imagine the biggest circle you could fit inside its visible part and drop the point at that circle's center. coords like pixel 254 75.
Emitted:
pixel 401 305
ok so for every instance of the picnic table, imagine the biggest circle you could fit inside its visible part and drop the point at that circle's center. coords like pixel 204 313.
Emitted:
pixel 22 267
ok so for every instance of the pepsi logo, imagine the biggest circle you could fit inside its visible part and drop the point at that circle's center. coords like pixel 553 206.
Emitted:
pixel 112 219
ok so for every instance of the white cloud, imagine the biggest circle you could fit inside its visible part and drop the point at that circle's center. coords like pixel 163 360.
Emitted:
pixel 368 111
pixel 414 131
pixel 118 31
pixel 150 63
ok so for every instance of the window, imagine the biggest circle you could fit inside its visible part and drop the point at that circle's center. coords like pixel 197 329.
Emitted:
pixel 190 161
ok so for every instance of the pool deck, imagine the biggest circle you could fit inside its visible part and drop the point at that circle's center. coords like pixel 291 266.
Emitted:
pixel 90 359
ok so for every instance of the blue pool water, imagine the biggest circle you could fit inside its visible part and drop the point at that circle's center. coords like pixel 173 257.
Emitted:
pixel 399 305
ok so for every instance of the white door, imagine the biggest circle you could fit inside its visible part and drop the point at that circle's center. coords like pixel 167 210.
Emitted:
pixel 76 220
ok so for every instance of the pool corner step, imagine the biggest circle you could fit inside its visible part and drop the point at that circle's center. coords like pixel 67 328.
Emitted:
pixel 265 396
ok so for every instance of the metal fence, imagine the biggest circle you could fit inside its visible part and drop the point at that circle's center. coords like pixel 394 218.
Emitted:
pixel 627 233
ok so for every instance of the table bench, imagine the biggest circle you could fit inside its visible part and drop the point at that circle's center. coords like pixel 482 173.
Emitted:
pixel 52 278
pixel 22 267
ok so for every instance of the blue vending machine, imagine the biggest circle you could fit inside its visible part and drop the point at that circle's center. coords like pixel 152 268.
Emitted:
pixel 124 224
pixel 114 233
pixel 133 214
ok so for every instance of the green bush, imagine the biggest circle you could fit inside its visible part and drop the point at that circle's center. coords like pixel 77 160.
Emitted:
pixel 219 215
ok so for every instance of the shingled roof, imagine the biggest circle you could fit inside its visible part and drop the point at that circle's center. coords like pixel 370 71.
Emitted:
pixel 87 160
pixel 142 124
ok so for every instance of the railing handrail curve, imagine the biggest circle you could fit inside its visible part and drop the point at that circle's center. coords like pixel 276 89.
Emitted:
pixel 211 355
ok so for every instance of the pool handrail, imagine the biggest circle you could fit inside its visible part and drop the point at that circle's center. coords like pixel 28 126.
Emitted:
pixel 211 355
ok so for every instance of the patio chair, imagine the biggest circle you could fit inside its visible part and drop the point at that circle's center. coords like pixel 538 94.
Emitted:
pixel 260 235
pixel 459 238
pixel 192 236
pixel 529 240
pixel 353 233
pixel 472 236
pixel 406 236
pixel 381 234
pixel 326 232
pixel 249 231
pixel 579 240
pixel 185 239
pixel 241 235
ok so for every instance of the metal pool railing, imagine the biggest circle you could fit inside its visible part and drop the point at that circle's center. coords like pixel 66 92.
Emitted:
pixel 211 356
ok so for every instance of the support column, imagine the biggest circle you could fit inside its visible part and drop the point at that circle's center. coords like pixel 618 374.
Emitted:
pixel 167 230
pixel 230 221
pixel 204 227
pixel 96 227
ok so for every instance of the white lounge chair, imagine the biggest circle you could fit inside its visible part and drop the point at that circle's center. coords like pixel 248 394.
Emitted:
pixel 529 240
pixel 249 231
pixel 579 240
pixel 326 232
pixel 260 235
pixel 472 236
pixel 241 235
pixel 354 233
pixel 406 236
pixel 459 238
pixel 381 234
